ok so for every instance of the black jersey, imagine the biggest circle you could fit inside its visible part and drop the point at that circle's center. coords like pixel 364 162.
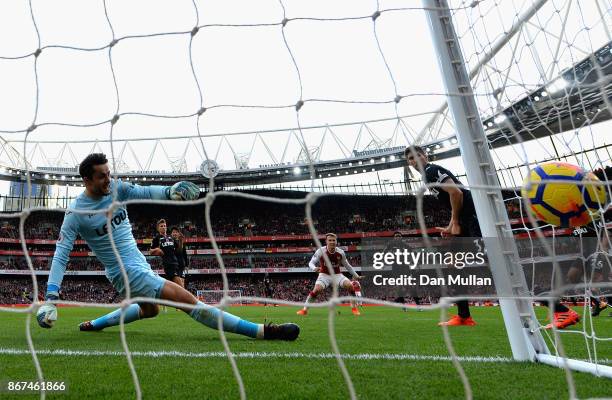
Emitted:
pixel 267 286
pixel 592 229
pixel 395 244
pixel 168 246
pixel 182 259
pixel 591 237
pixel 437 174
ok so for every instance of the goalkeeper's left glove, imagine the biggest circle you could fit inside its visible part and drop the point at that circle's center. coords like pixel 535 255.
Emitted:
pixel 47 313
pixel 183 190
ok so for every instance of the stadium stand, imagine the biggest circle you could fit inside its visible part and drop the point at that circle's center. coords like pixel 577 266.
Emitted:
pixel 233 220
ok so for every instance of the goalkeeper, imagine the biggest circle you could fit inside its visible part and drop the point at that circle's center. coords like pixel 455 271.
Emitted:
pixel 142 281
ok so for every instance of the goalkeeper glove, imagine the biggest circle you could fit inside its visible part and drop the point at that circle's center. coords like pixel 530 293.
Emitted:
pixel 183 190
pixel 47 313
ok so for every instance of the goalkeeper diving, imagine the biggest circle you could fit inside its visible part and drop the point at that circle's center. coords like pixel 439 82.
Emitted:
pixel 142 281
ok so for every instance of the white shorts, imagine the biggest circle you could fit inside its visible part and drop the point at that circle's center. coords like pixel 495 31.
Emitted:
pixel 325 280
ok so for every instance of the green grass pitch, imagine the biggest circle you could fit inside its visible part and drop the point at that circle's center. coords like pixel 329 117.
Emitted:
pixel 272 373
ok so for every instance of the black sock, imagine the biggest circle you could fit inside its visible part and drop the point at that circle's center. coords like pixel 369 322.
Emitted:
pixel 557 307
pixel 463 308
pixel 560 307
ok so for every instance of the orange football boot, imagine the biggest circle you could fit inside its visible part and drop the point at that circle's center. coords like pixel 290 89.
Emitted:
pixel 458 321
pixel 564 319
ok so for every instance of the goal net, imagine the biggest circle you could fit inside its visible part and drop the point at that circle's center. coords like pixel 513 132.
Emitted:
pixel 277 92
pixel 559 94
pixel 216 296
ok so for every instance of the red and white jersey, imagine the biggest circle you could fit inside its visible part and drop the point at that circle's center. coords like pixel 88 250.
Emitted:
pixel 336 259
pixel 356 286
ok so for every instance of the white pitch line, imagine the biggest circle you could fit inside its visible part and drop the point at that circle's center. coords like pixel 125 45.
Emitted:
pixel 220 354
pixel 291 355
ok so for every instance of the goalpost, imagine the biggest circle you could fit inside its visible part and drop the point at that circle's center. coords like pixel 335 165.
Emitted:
pixel 521 324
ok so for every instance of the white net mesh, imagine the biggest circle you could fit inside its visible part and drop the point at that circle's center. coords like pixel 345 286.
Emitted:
pixel 161 93
pixel 216 296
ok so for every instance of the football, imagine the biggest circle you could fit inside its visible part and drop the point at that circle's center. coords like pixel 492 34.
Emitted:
pixel 563 194
pixel 47 315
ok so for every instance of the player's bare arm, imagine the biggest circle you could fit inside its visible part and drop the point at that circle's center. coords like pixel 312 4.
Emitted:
pixel 156 252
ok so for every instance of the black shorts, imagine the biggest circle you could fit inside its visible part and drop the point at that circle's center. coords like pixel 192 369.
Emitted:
pixel 172 270
pixel 469 226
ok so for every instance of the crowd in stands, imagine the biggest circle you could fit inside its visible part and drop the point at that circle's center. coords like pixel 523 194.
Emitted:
pixel 44 264
pixel 261 262
pixel 15 291
pixel 527 249
pixel 19 290
pixel 38 225
pixel 19 263
pixel 232 216
pixel 199 262
pixel 290 287
pixel 99 290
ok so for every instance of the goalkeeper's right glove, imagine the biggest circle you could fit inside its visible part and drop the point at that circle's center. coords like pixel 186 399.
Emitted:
pixel 47 313
pixel 183 190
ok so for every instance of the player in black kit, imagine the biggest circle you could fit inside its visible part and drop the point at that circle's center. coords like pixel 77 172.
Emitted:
pixel 268 287
pixel 458 199
pixel 181 254
pixel 164 246
pixel 594 266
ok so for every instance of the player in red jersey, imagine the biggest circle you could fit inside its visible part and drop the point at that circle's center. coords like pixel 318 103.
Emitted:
pixel 337 258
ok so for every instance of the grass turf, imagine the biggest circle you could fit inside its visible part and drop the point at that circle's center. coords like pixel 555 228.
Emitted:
pixel 378 331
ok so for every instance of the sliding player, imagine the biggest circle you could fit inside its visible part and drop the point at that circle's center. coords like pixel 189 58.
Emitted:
pixel 142 281
pixel 337 258
pixel 453 196
pixel 593 267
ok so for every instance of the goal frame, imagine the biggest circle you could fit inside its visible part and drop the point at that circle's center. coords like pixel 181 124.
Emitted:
pixel 525 339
